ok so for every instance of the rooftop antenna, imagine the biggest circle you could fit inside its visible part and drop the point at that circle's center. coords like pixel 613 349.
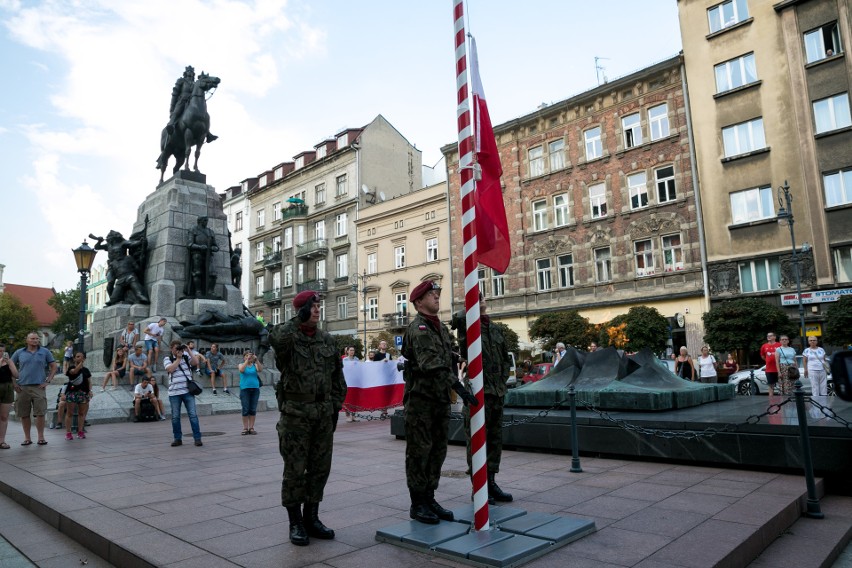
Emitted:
pixel 600 70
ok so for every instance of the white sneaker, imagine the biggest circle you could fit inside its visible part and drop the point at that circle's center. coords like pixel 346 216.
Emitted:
pixel 162 417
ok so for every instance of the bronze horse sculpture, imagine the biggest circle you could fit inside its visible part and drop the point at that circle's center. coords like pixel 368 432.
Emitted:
pixel 190 130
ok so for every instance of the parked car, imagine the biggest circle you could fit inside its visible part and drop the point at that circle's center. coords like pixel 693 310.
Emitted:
pixel 744 385
pixel 537 372
pixel 512 381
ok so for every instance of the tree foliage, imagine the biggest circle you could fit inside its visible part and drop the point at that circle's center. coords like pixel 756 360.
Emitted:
pixel 838 322
pixel 509 335
pixel 743 323
pixel 16 321
pixel 646 328
pixel 67 306
pixel 569 327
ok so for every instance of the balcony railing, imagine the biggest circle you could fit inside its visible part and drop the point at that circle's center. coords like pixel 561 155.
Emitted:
pixel 272 296
pixel 312 249
pixel 396 320
pixel 318 285
pixel 273 259
pixel 294 212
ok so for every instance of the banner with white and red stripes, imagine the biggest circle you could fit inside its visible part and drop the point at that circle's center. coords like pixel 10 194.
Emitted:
pixel 372 385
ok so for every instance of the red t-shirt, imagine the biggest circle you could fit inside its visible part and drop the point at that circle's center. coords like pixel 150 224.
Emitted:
pixel 767 353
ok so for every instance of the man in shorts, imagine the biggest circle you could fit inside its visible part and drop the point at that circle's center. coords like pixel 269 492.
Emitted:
pixel 767 353
pixel 137 362
pixel 153 337
pixel 146 390
pixel 215 363
pixel 36 368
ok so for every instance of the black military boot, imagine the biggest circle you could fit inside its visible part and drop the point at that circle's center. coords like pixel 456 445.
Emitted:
pixel 421 511
pixel 495 492
pixel 440 512
pixel 313 525
pixel 298 533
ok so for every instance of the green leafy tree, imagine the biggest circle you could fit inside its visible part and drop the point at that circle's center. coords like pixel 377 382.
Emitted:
pixel 569 327
pixel 16 321
pixel 67 306
pixel 838 322
pixel 743 323
pixel 509 335
pixel 646 328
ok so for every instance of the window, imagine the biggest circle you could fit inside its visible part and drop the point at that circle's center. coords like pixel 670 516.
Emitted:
pixel 319 230
pixel 341 262
pixel 401 303
pixel 760 275
pixel 556 149
pixel 822 42
pixel 832 113
pixel 644 251
pixel 665 184
pixel 752 205
pixel 594 148
pixel 735 73
pixel 343 140
pixel 399 256
pixel 843 263
pixel 300 235
pixel 238 221
pixel 597 200
pixel 276 243
pixel 288 276
pixel 258 286
pixel 258 252
pixel 632 130
pixel 340 225
pixel 542 269
pixel 322 151
pixel 319 194
pixel 658 117
pixel 838 188
pixel 276 281
pixel 288 237
pixel 672 253
pixel 480 274
pixel 638 187
pixel 603 264
pixel 565 265
pixel 261 181
pixel 560 210
pixel 539 215
pixel 727 14
pixel 372 263
pixel 536 157
pixel 431 250
pixel 300 162
pixel 276 211
pixel 498 283
pixel 319 269
pixel 300 273
pixel 372 308
pixel 261 217
pixel 342 307
pixel 743 137
pixel 341 186
pixel 276 316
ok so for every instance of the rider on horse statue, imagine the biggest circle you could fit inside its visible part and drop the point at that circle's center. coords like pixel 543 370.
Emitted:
pixel 181 93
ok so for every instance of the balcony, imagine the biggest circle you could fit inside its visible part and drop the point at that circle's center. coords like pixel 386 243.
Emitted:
pixel 312 249
pixel 272 296
pixel 318 285
pixel 272 260
pixel 396 320
pixel 294 212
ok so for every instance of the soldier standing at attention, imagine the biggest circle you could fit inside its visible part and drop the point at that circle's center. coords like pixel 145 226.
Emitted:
pixel 429 375
pixel 310 396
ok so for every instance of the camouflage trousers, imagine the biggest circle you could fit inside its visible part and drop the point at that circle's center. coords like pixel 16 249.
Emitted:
pixel 305 440
pixel 493 432
pixel 426 426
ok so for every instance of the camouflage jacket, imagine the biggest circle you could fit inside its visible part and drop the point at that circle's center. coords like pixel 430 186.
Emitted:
pixel 429 369
pixel 308 365
pixel 496 363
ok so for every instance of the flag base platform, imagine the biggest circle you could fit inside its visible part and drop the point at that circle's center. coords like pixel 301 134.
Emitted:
pixel 516 537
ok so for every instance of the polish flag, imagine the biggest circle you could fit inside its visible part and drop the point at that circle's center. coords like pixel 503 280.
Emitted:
pixel 372 385
pixel 492 230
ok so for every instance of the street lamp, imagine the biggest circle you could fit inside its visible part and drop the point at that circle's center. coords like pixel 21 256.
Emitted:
pixel 785 215
pixel 84 256
pixel 362 278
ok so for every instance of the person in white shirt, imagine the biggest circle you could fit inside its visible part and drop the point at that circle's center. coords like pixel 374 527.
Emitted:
pixel 153 337
pixel 815 365
pixel 177 365
pixel 706 366
pixel 129 336
pixel 560 352
pixel 146 390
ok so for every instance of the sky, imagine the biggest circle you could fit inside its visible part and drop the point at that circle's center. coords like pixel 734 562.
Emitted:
pixel 87 83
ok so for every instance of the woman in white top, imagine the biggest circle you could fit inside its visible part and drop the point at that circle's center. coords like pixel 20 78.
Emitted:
pixel 815 367
pixel 706 366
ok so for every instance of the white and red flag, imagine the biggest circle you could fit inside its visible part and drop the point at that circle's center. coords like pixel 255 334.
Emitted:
pixel 372 385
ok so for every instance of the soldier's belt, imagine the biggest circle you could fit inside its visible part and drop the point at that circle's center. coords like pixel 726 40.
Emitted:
pixel 305 397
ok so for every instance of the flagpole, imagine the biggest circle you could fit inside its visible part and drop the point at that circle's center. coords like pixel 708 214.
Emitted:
pixel 479 473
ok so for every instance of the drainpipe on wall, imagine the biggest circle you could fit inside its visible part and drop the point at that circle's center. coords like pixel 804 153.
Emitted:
pixel 450 233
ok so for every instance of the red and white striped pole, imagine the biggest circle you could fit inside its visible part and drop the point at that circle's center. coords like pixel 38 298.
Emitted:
pixel 471 280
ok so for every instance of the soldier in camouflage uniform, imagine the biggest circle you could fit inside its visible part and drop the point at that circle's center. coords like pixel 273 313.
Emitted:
pixel 430 374
pixel 310 395
pixel 495 370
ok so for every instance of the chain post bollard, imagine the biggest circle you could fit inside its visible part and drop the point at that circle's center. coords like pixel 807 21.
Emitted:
pixel 575 450
pixel 813 509
pixel 751 381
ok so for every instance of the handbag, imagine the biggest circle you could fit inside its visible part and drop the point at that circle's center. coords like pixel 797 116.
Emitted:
pixel 827 367
pixel 193 387
pixel 792 369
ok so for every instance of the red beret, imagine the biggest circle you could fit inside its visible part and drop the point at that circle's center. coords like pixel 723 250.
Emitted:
pixel 303 297
pixel 422 288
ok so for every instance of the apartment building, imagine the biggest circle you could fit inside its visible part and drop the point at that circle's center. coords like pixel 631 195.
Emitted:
pixel 237 209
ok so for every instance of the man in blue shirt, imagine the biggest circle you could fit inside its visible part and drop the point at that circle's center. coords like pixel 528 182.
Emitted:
pixel 36 368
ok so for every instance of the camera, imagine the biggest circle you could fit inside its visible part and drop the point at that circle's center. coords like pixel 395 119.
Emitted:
pixel 181 347
pixel 400 365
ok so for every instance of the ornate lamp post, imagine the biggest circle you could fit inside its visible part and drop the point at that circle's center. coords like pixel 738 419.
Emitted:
pixel 785 215
pixel 361 279
pixel 84 256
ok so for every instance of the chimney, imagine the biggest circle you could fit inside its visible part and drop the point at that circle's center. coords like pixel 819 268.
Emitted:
pixel 2 266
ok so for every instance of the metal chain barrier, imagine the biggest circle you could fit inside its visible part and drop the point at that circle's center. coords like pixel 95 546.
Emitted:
pixel 830 414
pixel 358 411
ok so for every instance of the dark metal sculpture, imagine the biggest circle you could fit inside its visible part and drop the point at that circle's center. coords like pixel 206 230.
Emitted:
pixel 215 326
pixel 126 262
pixel 189 122
pixel 201 244
pixel 236 256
